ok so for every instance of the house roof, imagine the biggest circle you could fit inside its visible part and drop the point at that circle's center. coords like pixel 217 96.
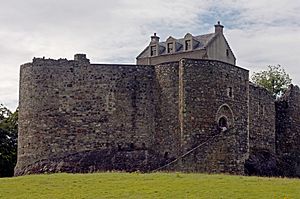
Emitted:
pixel 201 41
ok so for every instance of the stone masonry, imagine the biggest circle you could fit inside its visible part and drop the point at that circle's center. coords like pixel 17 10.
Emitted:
pixel 185 106
pixel 261 119
pixel 74 111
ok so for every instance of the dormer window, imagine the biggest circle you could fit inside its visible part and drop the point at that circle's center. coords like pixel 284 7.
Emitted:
pixel 152 50
pixel 188 45
pixel 170 47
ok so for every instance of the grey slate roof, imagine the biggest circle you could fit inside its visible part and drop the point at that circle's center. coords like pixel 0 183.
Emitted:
pixel 201 42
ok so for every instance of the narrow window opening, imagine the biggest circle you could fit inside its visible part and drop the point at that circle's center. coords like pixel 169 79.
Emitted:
pixel 119 147
pixel 229 92
pixel 227 52
pixel 188 44
pixel 131 146
pixel 166 155
pixel 261 109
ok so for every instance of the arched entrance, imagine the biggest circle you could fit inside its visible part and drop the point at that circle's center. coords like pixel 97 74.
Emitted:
pixel 224 117
pixel 223 122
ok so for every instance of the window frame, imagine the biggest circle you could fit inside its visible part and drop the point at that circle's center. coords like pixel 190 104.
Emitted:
pixel 170 50
pixel 188 44
pixel 153 50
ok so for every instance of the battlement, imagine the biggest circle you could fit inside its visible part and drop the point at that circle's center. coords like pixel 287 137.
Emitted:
pixel 42 61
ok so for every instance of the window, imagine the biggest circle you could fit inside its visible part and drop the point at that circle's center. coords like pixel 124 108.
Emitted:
pixel 227 52
pixel 261 109
pixel 131 146
pixel 170 47
pixel 188 45
pixel 229 92
pixel 153 50
pixel 166 155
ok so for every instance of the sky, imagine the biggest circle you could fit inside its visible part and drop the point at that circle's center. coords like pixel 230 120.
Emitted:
pixel 260 32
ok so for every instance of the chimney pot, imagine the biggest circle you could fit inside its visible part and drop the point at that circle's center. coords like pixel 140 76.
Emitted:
pixel 154 38
pixel 219 28
pixel 81 57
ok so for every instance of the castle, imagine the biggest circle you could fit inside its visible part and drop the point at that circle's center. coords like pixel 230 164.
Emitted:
pixel 184 106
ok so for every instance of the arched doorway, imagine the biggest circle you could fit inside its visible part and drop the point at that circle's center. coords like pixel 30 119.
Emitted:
pixel 223 122
pixel 224 117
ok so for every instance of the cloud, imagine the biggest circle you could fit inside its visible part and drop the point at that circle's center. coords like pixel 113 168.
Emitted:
pixel 267 34
pixel 260 32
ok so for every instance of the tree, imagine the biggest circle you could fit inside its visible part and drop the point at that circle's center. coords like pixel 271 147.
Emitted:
pixel 274 79
pixel 8 141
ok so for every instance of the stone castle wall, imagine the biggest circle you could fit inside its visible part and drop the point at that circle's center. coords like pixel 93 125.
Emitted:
pixel 69 107
pixel 167 132
pixel 81 117
pixel 288 131
pixel 288 121
pixel 261 119
pixel 213 91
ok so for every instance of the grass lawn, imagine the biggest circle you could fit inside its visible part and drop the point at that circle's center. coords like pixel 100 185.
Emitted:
pixel 155 185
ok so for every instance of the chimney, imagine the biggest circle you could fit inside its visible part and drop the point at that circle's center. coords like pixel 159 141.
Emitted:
pixel 219 28
pixel 81 58
pixel 154 38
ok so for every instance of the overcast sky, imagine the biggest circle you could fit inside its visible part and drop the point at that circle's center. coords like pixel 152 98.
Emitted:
pixel 260 32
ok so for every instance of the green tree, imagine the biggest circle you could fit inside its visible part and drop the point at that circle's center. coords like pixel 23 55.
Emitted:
pixel 274 79
pixel 8 141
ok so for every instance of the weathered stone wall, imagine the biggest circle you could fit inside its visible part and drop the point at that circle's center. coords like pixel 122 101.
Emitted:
pixel 261 119
pixel 82 117
pixel 288 130
pixel 288 121
pixel 70 107
pixel 167 133
pixel 212 92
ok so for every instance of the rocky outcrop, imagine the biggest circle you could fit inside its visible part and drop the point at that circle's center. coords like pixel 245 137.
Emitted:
pixel 98 160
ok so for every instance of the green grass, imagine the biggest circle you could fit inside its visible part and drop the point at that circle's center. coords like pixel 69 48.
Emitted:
pixel 155 185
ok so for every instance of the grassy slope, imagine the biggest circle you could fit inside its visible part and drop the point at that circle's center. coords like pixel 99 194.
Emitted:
pixel 157 185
